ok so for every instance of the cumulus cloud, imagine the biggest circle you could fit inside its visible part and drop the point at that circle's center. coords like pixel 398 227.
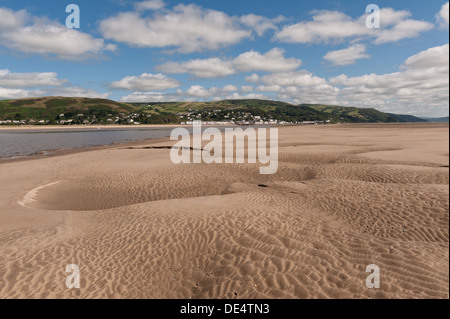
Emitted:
pixel 252 96
pixel 420 86
pixel 199 91
pixel 334 26
pixel 272 61
pixel 230 88
pixel 145 82
pixel 436 57
pixel 142 97
pixel 260 24
pixel 324 27
pixel 193 93
pixel 75 92
pixel 442 16
pixel 34 84
pixel 10 19
pixel 29 80
pixel 403 30
pixel 347 56
pixel 149 5
pixel 252 78
pixel 12 94
pixel 301 78
pixel 188 28
pixel 22 32
pixel 7 93
pixel 206 68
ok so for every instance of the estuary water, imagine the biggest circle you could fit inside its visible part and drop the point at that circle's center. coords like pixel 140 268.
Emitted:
pixel 25 143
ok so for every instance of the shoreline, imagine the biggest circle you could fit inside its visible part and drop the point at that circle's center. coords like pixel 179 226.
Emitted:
pixel 70 151
pixel 88 127
pixel 95 127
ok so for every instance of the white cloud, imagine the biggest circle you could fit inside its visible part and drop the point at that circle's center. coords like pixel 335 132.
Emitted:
pixel 149 5
pixel 199 91
pixel 146 82
pixel 299 78
pixel 432 58
pixel 347 56
pixel 252 96
pixel 252 78
pixel 6 93
pixel 12 94
pixel 442 16
pixel 272 61
pixel 189 28
pixel 207 68
pixel 334 26
pixel 18 85
pixel 260 24
pixel 149 97
pixel 269 88
pixel 420 87
pixel 389 16
pixel 12 19
pixel 326 26
pixel 194 93
pixel 230 88
pixel 29 80
pixel 403 30
pixel 76 92
pixel 41 36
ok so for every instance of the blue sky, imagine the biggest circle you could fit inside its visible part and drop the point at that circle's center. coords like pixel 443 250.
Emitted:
pixel 294 51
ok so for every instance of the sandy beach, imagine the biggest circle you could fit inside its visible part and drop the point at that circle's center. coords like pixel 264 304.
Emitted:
pixel 139 226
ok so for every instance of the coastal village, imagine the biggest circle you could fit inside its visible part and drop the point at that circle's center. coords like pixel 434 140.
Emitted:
pixel 190 117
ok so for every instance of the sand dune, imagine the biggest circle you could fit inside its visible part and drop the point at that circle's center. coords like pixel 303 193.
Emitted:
pixel 139 226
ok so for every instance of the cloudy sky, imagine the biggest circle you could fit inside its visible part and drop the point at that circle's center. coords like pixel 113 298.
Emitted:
pixel 200 50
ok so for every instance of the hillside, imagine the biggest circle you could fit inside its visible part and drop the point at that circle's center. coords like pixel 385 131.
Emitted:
pixel 283 111
pixel 98 111
pixel 219 110
pixel 363 115
pixel 51 107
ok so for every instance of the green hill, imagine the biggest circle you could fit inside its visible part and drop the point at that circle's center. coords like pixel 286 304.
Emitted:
pixel 284 111
pixel 363 115
pixel 107 111
pixel 52 107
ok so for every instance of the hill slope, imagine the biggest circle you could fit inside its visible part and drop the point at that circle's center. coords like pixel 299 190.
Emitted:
pixel 52 107
pixel 361 115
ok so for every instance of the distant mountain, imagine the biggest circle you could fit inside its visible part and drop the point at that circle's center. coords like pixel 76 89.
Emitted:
pixel 436 119
pixel 363 115
pixel 408 118
pixel 88 110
